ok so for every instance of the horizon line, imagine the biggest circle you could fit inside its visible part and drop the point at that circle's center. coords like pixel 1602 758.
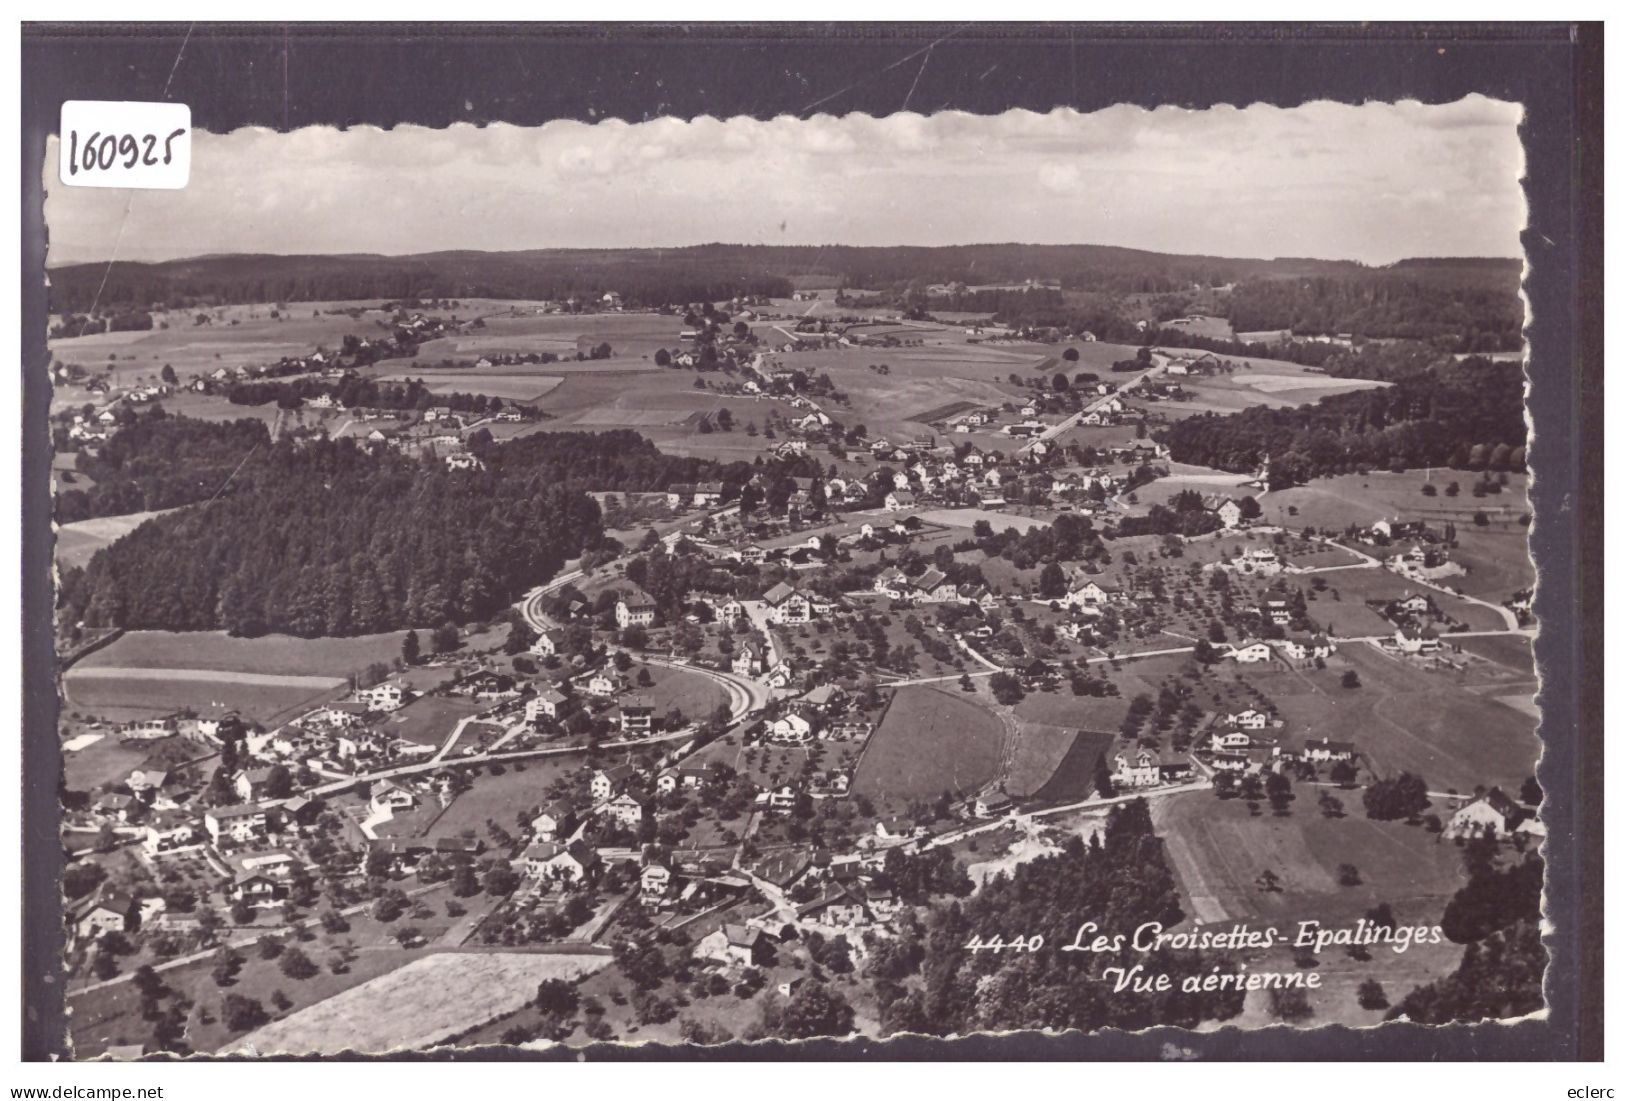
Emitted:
pixel 742 244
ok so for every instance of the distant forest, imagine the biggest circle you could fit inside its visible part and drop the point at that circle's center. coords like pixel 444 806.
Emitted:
pixel 329 538
pixel 1478 318
pixel 651 277
pixel 1468 414
pixel 158 462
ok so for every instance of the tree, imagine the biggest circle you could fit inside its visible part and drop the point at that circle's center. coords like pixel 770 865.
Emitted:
pixel 1070 355
pixel 1290 1004
pixel 168 375
pixel 1006 688
pixel 662 358
pixel 815 1010
pixel 1351 679
pixel 1372 996
pixel 1404 796
pixel 1052 582
pixel 557 996
pixel 296 965
pixel 1060 383
pixel 1530 793
pixel 239 1014
pixel 445 638
pixel 1348 875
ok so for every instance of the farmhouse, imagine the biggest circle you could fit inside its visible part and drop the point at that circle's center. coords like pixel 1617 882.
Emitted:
pixel 1412 640
pixel 548 643
pixel 171 833
pixel 1250 719
pixel 1327 750
pixel 748 659
pixel 991 803
pixel 238 824
pixel 545 704
pixel 735 945
pixel 1092 593
pixel 787 605
pixel 565 864
pixel 605 684
pixel 557 818
pixel 388 797
pixel 634 608
pixel 1250 652
pixel 1304 647
pixel 899 499
pixel 686 776
pixel 627 809
pixel 387 696
pixel 654 881
pixel 791 729
pixel 103 911
pixel 606 782
pixel 1492 813
pixel 1136 770
pixel 637 714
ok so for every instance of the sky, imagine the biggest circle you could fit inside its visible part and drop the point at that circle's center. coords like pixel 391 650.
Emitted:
pixel 1375 183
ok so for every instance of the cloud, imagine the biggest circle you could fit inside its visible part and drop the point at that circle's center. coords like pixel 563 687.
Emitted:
pixel 1373 182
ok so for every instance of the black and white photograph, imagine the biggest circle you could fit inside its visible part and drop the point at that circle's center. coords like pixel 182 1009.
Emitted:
pixel 699 580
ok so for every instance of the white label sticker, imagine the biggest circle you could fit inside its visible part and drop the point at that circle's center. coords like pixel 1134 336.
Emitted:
pixel 107 143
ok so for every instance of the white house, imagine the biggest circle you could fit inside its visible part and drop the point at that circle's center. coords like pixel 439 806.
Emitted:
pixel 381 697
pixel 1493 811
pixel 546 704
pixel 1249 652
pixel 635 608
pixel 790 729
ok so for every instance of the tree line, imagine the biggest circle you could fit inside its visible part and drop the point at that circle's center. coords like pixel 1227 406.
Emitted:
pixel 1452 414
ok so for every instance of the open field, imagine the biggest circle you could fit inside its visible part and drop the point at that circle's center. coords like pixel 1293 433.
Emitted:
pixel 419 1004
pixel 108 760
pixel 78 542
pixel 428 720
pixel 518 328
pixel 1218 850
pixel 931 741
pixel 696 696
pixel 268 654
pixel 1334 503
pixel 1405 718
pixel 968 518
pixel 512 385
pixel 520 787
pixel 125 694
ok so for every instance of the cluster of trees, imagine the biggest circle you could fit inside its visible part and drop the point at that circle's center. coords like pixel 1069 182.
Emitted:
pixel 1071 538
pixel 1497 915
pixel 329 539
pixel 159 462
pixel 1498 978
pixel 1454 414
pixel 414 395
pixel 1118 881
pixel 1476 309
pixel 121 321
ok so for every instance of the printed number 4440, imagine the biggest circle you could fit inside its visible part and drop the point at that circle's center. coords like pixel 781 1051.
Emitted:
pixel 978 943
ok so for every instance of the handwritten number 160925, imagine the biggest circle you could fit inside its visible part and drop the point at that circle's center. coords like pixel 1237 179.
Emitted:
pixel 103 151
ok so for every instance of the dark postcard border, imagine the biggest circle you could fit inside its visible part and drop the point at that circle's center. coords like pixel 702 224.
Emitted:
pixel 285 76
